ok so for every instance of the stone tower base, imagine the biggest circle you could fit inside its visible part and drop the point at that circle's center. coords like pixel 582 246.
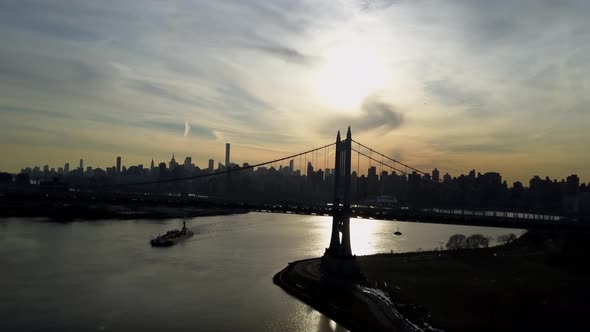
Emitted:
pixel 341 268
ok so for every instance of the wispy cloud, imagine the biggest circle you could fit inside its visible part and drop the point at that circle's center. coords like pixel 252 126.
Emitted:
pixel 288 54
pixel 187 129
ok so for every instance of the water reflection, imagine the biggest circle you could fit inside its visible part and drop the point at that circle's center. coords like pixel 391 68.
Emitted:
pixel 104 273
pixel 370 236
pixel 364 235
pixel 325 324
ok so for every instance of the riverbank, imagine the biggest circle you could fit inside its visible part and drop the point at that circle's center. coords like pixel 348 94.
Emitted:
pixel 64 211
pixel 356 307
pixel 538 282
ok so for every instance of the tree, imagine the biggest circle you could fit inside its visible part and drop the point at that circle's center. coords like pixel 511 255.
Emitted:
pixel 23 178
pixel 456 241
pixel 477 241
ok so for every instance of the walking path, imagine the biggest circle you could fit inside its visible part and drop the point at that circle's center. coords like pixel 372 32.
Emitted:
pixel 380 307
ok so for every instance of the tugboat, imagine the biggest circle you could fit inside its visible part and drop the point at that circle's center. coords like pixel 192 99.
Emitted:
pixel 172 237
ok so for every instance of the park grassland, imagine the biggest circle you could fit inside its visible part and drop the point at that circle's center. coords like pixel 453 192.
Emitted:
pixel 539 282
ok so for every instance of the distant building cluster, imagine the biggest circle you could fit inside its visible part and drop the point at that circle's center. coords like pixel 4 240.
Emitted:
pixel 37 174
pixel 286 183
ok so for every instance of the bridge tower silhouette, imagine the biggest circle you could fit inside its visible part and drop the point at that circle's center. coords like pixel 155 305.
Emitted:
pixel 338 260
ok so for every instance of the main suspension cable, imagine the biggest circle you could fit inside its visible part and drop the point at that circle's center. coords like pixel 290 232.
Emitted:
pixel 382 163
pixel 389 158
pixel 406 172
pixel 227 171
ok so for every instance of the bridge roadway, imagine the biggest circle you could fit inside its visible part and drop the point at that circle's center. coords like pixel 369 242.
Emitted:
pixel 438 216
pixel 505 219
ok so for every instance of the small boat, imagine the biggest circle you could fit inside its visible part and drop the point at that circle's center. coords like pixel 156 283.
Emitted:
pixel 397 232
pixel 172 237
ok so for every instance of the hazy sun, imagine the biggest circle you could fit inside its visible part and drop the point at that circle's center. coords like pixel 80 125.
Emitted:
pixel 347 76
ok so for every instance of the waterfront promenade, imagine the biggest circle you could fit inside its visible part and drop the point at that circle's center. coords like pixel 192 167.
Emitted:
pixel 357 307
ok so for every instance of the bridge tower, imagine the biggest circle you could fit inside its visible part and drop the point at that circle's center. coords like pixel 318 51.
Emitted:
pixel 338 260
pixel 340 239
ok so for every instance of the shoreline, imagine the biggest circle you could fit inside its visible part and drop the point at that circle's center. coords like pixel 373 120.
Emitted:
pixel 535 282
pixel 355 307
pixel 68 212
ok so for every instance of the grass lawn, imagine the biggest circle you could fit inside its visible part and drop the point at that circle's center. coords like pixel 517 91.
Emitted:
pixel 537 283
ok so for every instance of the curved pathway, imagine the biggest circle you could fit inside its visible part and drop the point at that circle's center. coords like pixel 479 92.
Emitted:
pixel 377 302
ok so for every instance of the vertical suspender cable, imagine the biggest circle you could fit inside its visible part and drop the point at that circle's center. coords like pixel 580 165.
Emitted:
pixel 326 153
pixel 358 160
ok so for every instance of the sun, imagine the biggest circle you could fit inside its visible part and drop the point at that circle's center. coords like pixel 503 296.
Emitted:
pixel 348 75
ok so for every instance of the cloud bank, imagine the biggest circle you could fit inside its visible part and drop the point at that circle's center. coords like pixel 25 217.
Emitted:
pixel 460 72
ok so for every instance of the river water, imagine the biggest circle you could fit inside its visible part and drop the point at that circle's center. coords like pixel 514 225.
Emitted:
pixel 104 276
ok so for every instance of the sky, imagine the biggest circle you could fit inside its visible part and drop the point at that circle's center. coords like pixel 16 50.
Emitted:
pixel 458 85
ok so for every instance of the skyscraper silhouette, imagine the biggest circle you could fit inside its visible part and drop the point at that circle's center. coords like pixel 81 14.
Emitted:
pixel 119 165
pixel 227 155
pixel 188 163
pixel 172 164
pixel 436 175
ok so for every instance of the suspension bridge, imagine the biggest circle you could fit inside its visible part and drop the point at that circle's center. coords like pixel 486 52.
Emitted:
pixel 407 193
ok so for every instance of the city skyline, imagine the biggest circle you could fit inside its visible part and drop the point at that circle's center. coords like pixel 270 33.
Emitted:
pixel 97 80
pixel 321 165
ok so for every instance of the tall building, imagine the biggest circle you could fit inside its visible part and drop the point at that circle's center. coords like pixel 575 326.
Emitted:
pixel 162 169
pixel 118 165
pixel 226 155
pixel 81 165
pixel 447 178
pixel 187 163
pixel 172 164
pixel 291 166
pixel 572 185
pixel 436 175
pixel 67 168
pixel 211 161
pixel 372 181
pixel 372 171
pixel 152 166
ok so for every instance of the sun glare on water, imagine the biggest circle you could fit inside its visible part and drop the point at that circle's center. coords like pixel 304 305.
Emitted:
pixel 349 75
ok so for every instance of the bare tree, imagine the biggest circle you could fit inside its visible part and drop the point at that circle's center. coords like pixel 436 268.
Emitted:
pixel 477 241
pixel 456 241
